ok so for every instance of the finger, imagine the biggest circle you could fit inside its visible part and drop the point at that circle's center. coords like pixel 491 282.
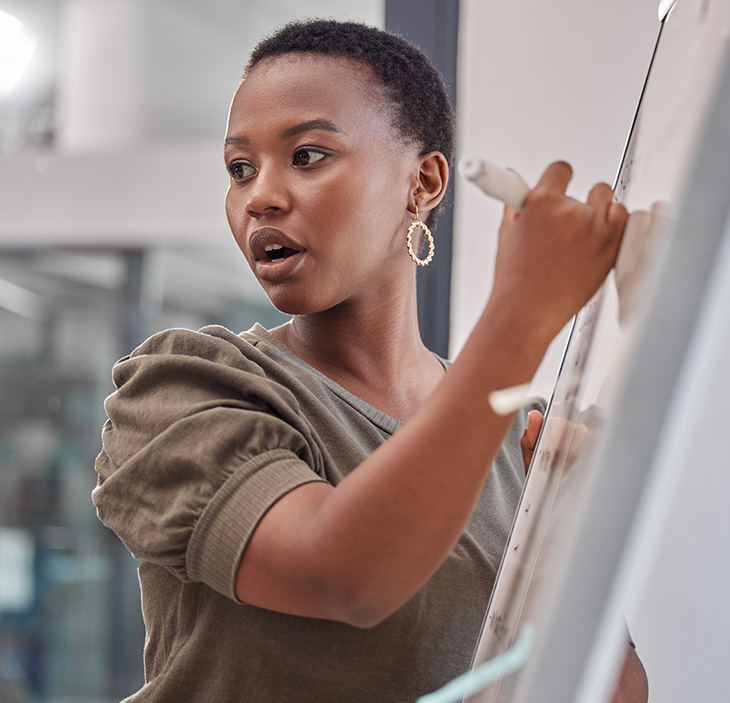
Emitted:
pixel 534 423
pixel 617 216
pixel 580 434
pixel 527 451
pixel 556 177
pixel 525 443
pixel 576 444
pixel 510 214
pixel 529 436
pixel 509 218
pixel 600 197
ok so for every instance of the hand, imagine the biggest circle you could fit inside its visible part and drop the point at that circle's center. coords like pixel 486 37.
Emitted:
pixel 632 685
pixel 555 252
pixel 560 432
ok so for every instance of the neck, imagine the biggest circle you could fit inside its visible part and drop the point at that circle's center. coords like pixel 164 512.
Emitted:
pixel 374 350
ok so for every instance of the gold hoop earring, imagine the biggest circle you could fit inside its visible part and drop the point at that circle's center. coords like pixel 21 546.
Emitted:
pixel 409 240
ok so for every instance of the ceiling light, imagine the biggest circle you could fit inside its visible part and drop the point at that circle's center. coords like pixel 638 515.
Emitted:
pixel 16 50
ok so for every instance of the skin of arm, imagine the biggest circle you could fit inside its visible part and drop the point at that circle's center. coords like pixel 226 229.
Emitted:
pixel 320 550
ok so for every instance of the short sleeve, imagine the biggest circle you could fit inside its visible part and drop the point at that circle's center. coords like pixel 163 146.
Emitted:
pixel 198 445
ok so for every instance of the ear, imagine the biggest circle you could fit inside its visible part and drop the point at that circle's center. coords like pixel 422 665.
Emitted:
pixel 429 184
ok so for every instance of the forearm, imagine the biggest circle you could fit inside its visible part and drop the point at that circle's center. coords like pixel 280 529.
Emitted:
pixel 358 551
pixel 425 481
pixel 376 538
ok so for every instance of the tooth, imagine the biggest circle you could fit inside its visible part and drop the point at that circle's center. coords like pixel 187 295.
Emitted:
pixel 273 247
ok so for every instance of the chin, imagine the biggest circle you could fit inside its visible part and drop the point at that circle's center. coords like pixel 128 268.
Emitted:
pixel 293 305
pixel 294 309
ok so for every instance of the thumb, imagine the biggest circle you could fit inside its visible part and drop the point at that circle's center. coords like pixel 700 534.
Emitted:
pixel 530 435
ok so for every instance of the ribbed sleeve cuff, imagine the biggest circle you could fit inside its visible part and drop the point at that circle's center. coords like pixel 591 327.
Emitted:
pixel 227 523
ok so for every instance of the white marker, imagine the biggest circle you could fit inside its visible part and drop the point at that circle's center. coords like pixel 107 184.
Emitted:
pixel 509 400
pixel 496 181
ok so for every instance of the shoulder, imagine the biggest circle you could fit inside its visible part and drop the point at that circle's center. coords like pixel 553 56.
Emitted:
pixel 214 343
pixel 182 373
pixel 182 377
pixel 212 351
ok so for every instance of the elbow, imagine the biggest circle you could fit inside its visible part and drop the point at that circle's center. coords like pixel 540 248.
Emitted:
pixel 339 595
pixel 365 616
pixel 363 606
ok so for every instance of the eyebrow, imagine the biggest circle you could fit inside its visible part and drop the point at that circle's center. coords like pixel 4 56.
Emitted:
pixel 290 131
pixel 309 126
pixel 236 140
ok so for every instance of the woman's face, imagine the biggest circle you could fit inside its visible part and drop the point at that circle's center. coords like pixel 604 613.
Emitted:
pixel 319 183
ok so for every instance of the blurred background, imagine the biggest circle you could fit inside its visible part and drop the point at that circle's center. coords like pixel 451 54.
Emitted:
pixel 112 228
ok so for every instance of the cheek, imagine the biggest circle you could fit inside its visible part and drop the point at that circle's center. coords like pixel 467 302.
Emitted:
pixel 236 219
pixel 336 209
pixel 387 194
pixel 375 202
pixel 230 210
pixel 234 214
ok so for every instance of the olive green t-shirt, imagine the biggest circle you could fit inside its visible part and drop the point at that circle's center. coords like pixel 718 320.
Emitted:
pixel 206 431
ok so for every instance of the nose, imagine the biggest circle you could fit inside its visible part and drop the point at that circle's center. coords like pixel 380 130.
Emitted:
pixel 267 194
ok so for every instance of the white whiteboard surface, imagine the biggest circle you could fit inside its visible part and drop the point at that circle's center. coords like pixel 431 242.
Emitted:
pixel 665 141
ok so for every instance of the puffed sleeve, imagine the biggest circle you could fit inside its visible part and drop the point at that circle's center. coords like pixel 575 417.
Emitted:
pixel 198 445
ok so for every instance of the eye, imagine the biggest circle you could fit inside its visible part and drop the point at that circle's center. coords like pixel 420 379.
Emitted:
pixel 306 156
pixel 241 170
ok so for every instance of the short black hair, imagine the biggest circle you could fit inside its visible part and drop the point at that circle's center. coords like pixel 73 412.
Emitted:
pixel 423 112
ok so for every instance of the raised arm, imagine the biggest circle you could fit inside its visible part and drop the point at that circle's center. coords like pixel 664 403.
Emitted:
pixel 358 551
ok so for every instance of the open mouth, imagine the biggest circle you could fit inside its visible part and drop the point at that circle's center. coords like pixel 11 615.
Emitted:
pixel 277 252
pixel 274 252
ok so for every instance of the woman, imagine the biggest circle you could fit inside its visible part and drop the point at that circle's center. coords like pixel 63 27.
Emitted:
pixel 301 498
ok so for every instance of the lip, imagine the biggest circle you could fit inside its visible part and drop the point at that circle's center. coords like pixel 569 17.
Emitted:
pixel 266 236
pixel 276 269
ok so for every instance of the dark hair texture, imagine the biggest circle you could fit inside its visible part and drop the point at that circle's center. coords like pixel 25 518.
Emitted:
pixel 423 113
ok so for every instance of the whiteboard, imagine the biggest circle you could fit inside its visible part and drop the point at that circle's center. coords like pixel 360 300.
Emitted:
pixel 691 49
